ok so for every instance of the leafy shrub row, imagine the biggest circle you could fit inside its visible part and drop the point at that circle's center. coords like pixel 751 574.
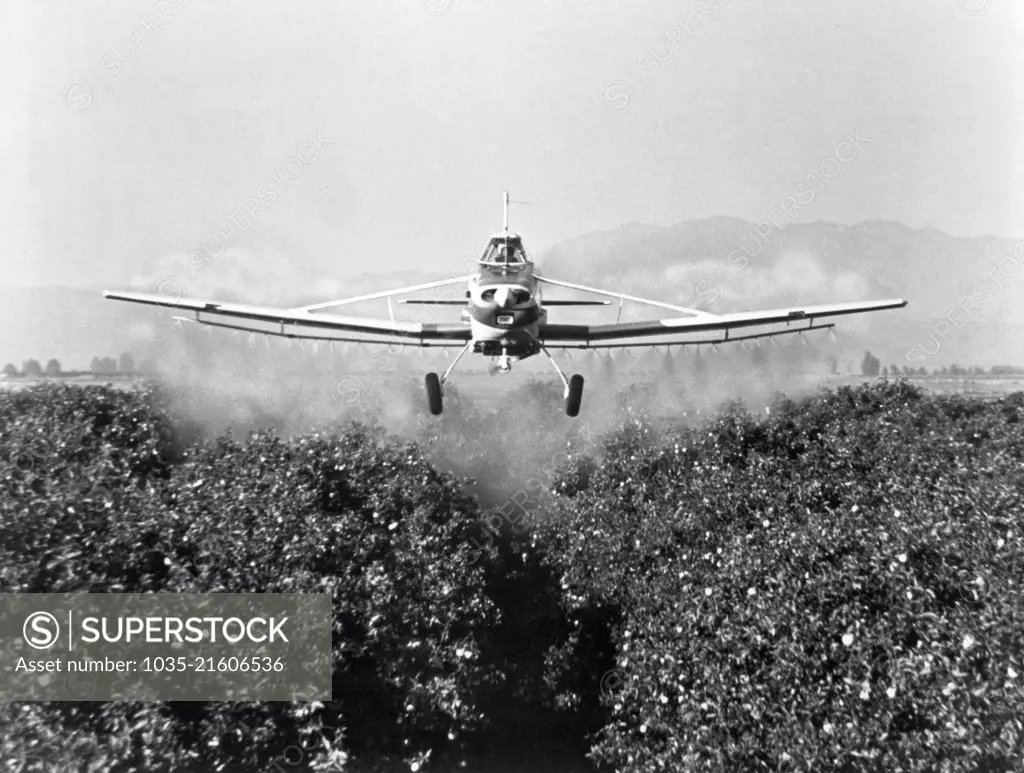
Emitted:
pixel 98 499
pixel 832 586
pixel 835 587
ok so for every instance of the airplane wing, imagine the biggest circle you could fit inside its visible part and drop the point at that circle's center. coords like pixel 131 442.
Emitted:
pixel 696 321
pixel 311 322
pixel 446 302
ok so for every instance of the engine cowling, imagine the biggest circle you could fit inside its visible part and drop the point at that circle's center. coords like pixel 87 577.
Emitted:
pixel 506 296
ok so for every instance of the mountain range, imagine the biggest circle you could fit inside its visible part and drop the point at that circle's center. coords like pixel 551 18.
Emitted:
pixel 964 293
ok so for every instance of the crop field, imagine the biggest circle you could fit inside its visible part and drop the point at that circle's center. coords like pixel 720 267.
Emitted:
pixel 823 582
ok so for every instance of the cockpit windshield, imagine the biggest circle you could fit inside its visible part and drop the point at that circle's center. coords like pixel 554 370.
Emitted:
pixel 504 251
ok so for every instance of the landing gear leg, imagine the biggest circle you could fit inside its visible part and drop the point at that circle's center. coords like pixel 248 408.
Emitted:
pixel 435 385
pixel 573 393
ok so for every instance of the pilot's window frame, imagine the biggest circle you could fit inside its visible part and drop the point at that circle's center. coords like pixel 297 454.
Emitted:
pixel 493 254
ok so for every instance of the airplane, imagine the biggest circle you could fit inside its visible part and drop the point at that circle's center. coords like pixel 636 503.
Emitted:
pixel 504 317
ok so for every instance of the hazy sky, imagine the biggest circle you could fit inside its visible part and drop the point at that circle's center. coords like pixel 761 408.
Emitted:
pixel 133 130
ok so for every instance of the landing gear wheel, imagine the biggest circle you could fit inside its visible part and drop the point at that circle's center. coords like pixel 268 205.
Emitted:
pixel 434 393
pixel 572 402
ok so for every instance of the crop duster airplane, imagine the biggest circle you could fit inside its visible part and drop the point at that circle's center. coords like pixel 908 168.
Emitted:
pixel 504 317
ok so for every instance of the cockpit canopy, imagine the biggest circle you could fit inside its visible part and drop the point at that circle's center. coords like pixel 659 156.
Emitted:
pixel 505 251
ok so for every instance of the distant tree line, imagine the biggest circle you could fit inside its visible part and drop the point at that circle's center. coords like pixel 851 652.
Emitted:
pixel 872 366
pixel 953 371
pixel 105 366
pixel 109 366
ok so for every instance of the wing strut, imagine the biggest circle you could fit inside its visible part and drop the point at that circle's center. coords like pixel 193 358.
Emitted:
pixel 384 294
pixel 623 297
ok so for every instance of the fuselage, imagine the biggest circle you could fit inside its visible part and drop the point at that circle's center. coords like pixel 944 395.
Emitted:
pixel 505 307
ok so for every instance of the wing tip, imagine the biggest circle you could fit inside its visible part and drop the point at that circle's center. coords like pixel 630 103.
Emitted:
pixel 881 304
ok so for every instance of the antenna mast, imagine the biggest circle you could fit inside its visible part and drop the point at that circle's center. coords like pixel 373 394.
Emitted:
pixel 504 216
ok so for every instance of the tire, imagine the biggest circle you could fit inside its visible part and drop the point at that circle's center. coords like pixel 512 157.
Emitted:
pixel 572 402
pixel 434 394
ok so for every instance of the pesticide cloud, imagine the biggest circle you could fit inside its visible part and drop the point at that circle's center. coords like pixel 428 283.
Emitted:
pixel 505 434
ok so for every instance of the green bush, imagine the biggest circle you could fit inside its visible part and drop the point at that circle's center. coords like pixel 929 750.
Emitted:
pixel 833 585
pixel 836 587
pixel 356 514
